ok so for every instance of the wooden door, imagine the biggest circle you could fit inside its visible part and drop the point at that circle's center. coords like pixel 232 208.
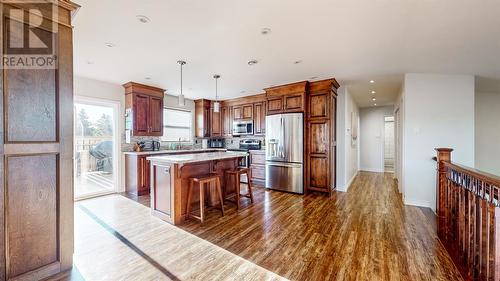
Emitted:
pixel 248 111
pixel 156 116
pixel 141 115
pixel 319 155
pixel 36 150
pixel 237 112
pixel 215 123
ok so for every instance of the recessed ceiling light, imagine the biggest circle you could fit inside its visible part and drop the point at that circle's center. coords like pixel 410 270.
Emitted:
pixel 373 92
pixel 372 81
pixel 90 62
pixel 265 31
pixel 143 19
pixel 242 92
pixel 314 77
pixel 109 45
pixel 252 62
pixel 375 104
pixel 297 62
pixel 148 78
pixel 374 99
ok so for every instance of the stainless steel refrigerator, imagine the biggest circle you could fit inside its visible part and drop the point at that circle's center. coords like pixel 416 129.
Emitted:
pixel 285 152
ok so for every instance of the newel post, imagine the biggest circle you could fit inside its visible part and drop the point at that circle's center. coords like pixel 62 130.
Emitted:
pixel 443 155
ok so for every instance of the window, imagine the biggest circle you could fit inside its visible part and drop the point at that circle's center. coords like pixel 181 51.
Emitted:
pixel 177 124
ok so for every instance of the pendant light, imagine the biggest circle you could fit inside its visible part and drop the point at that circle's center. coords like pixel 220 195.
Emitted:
pixel 182 101
pixel 216 103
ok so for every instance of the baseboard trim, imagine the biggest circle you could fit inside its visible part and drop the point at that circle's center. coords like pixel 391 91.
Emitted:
pixel 348 185
pixel 372 170
pixel 418 203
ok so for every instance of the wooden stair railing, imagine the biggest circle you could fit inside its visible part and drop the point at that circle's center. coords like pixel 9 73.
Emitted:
pixel 468 211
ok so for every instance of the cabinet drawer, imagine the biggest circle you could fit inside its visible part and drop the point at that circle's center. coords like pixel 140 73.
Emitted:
pixel 257 158
pixel 258 172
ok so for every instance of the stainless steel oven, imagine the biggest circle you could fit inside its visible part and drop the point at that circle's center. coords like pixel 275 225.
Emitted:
pixel 241 128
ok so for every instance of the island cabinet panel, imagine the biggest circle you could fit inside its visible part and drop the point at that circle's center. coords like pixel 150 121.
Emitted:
pixel 320 174
pixel 260 118
pixel 145 104
pixel 287 98
pixel 36 145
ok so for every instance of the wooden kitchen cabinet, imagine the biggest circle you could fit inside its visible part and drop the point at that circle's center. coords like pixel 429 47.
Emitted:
pixel 137 174
pixel 321 142
pixel 258 166
pixel 259 113
pixel 226 121
pixel 248 111
pixel 215 122
pixel 287 98
pixel 202 118
pixel 237 112
pixel 144 106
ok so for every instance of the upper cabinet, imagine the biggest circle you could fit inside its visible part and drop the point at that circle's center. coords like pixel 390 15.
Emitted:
pixel 259 112
pixel 215 122
pixel 203 118
pixel 144 106
pixel 286 98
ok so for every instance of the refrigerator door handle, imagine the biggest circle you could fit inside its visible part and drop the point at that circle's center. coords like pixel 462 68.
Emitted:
pixel 283 164
pixel 282 147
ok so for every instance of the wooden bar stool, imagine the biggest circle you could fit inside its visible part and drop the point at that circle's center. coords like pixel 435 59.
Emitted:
pixel 236 174
pixel 204 182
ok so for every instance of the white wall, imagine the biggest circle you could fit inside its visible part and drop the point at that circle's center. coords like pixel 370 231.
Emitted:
pixel 372 137
pixel 347 151
pixel 487 124
pixel 438 112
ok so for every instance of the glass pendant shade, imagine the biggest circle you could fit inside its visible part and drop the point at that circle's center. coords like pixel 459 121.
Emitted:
pixel 182 102
pixel 216 107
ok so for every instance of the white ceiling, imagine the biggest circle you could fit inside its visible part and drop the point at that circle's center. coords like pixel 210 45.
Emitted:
pixel 352 40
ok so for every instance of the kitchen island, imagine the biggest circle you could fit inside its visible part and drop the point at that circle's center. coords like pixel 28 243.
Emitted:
pixel 170 178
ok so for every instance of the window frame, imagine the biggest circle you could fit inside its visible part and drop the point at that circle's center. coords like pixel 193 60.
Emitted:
pixel 190 127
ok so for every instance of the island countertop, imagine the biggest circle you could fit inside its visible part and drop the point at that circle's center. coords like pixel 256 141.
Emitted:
pixel 196 157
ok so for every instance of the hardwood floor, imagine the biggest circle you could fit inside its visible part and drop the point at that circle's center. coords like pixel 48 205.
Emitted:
pixel 364 234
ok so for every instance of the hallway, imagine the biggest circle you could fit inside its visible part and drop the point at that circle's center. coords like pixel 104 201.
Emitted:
pixel 365 234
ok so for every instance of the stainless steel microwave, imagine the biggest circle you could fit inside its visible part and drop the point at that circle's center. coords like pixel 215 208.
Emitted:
pixel 241 128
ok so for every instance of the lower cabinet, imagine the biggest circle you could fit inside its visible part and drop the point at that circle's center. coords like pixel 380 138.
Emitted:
pixel 137 174
pixel 258 166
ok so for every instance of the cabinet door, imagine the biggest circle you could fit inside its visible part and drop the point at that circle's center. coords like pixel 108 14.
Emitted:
pixel 258 109
pixel 215 124
pixel 294 103
pixel 141 115
pixel 237 112
pixel 156 116
pixel 318 106
pixel 226 116
pixel 206 122
pixel 258 172
pixel 274 105
pixel 248 111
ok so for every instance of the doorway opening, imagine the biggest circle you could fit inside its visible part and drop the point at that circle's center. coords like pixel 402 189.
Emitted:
pixel 389 144
pixel 96 147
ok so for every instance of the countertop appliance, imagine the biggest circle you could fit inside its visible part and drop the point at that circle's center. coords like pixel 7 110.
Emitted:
pixel 242 127
pixel 285 152
pixel 216 143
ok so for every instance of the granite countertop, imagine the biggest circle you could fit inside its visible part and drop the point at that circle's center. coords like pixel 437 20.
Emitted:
pixel 172 151
pixel 196 157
